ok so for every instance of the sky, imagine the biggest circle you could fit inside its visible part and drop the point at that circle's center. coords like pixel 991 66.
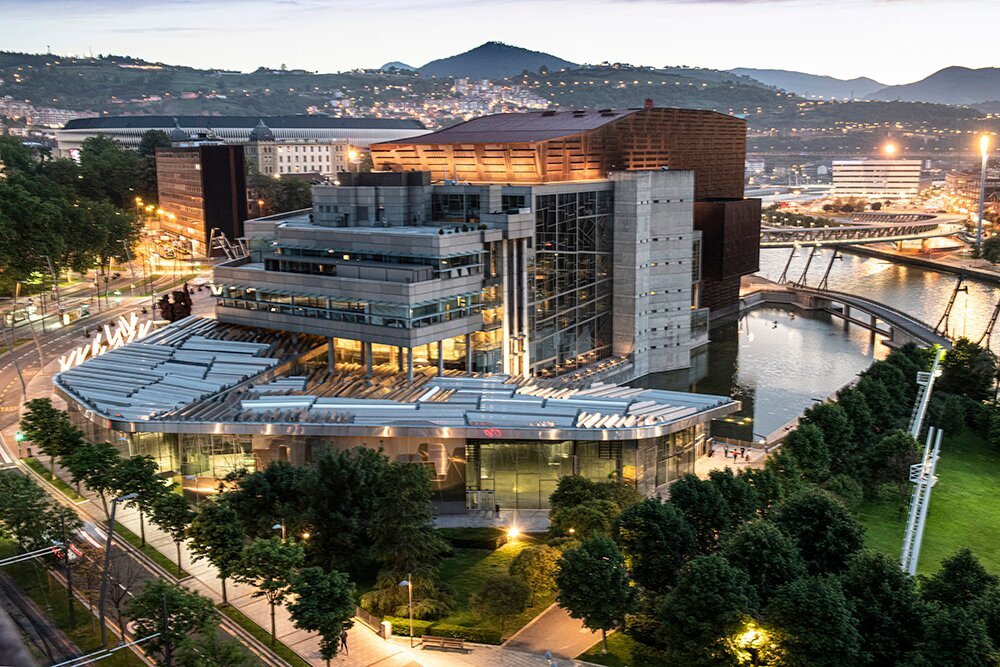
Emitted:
pixel 892 41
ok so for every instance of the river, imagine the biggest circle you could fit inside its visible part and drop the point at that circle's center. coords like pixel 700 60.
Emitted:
pixel 778 362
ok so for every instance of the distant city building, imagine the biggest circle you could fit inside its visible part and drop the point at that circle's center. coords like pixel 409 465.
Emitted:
pixel 36 116
pixel 754 167
pixel 270 157
pixel 878 179
pixel 236 129
pixel 201 188
pixel 963 187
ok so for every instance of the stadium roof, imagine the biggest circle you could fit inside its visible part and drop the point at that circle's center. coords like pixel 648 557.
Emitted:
pixel 248 122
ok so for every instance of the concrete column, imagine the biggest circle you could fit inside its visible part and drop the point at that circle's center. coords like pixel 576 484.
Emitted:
pixel 525 320
pixel 507 308
pixel 440 357
pixel 329 355
pixel 468 353
pixel 409 364
pixel 399 353
pixel 366 352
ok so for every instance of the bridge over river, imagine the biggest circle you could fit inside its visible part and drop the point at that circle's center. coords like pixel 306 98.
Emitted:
pixel 864 228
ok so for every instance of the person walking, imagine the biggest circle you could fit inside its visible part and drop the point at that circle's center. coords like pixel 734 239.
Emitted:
pixel 343 642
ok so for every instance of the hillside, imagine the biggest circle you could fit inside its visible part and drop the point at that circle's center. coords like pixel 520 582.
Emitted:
pixel 812 85
pixel 493 60
pixel 952 85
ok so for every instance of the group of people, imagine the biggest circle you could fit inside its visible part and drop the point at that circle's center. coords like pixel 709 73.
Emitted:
pixel 736 454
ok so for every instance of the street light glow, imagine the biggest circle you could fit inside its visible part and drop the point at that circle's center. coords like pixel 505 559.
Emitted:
pixel 984 144
pixel 512 533
pixel 889 149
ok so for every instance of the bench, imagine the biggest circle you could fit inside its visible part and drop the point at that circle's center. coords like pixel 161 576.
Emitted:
pixel 443 642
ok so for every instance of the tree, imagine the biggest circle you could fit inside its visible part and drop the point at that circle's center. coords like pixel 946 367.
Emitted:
pixel 880 404
pixel 171 611
pixel 171 512
pixel 592 517
pixel 537 567
pixel 838 434
pixel 767 487
pixel 991 249
pixel 24 508
pixel 741 499
pixel 49 430
pixel 502 597
pixel 151 140
pixel 703 507
pixel 968 369
pixel 572 490
pixel 807 445
pixel 884 601
pixel 94 466
pixel 323 602
pixel 124 576
pixel 822 528
pixel 216 535
pixel 594 585
pixel 768 556
pixel 888 461
pixel 212 650
pixel 859 415
pixel 138 475
pixel 404 544
pixel 786 470
pixel 959 582
pixel 656 541
pixel 812 624
pixel 711 600
pixel 951 418
pixel 956 637
pixel 269 565
pixel 109 170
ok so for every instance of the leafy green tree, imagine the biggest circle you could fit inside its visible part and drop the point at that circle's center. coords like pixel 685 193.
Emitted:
pixel 768 556
pixel 786 470
pixel 880 403
pixel 767 487
pixel 846 489
pixel 216 535
pixel 94 466
pixel 109 171
pixel 537 567
pixel 138 475
pixel 896 383
pixel 968 369
pixel 26 512
pixel 959 582
pixel 592 517
pixel 888 461
pixel 860 417
pixel 884 601
pixel 171 611
pixel 710 602
pixel 812 624
pixel 322 602
pixel 594 586
pixel 501 597
pixel 270 565
pixel 704 508
pixel 151 140
pixel 838 434
pixel 172 513
pixel 987 607
pixel 404 543
pixel 49 429
pixel 741 499
pixel 656 541
pixel 807 445
pixel 991 249
pixel 956 637
pixel 822 528
pixel 212 650
pixel 570 491
pixel 278 492
pixel 952 416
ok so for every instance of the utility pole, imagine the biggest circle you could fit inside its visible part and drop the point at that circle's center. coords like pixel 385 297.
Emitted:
pixel 107 563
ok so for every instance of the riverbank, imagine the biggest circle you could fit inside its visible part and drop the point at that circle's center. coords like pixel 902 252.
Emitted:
pixel 946 264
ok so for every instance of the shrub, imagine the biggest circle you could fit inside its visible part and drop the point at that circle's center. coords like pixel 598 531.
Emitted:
pixel 483 537
pixel 401 627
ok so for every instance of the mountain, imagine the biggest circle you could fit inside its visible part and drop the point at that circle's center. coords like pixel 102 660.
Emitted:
pixel 812 85
pixel 493 60
pixel 952 85
pixel 395 64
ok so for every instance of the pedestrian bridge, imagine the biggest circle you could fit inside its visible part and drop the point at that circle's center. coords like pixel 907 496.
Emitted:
pixel 868 228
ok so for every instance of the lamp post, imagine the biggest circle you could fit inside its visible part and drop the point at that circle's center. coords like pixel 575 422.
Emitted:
pixel 107 563
pixel 281 527
pixel 408 582
pixel 984 149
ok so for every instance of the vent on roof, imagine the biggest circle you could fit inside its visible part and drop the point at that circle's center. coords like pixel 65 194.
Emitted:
pixel 579 112
pixel 549 113
pixel 604 111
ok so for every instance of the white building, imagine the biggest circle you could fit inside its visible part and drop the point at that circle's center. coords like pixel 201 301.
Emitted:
pixel 272 157
pixel 877 179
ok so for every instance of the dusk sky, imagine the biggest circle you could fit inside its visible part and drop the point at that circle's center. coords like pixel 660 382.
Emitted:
pixel 893 41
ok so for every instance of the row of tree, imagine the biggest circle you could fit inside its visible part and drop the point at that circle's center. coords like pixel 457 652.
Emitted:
pixel 74 214
pixel 767 566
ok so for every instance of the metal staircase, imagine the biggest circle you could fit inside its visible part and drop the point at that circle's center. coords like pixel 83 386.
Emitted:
pixel 925 384
pixel 922 475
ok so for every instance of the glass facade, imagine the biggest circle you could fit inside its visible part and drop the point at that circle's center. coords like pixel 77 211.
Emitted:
pixel 571 293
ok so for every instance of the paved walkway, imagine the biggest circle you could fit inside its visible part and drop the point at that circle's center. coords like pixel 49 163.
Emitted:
pixel 555 631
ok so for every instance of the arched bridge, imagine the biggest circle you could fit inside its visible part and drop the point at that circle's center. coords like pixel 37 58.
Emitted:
pixel 867 230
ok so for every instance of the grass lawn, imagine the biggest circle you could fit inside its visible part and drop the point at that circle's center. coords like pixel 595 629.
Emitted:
pixel 50 596
pixel 263 636
pixel 466 569
pixel 619 651
pixel 964 510
pixel 17 343
pixel 65 488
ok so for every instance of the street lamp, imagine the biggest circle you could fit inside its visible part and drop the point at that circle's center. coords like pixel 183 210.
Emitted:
pixel 107 562
pixel 281 527
pixel 408 582
pixel 889 149
pixel 984 149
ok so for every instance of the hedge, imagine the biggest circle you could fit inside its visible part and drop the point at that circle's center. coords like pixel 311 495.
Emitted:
pixel 401 627
pixel 484 537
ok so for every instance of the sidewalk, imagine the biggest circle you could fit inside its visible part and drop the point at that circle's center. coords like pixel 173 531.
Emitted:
pixel 553 630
